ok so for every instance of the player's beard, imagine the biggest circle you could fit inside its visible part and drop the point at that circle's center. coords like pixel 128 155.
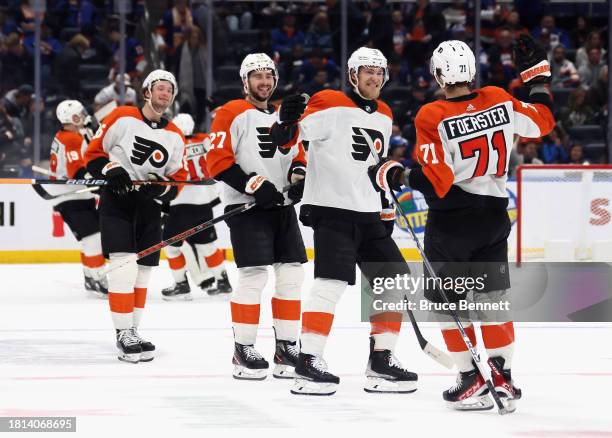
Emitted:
pixel 258 97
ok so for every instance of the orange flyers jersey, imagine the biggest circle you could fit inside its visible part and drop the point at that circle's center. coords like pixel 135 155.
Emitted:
pixel 65 160
pixel 466 142
pixel 240 134
pixel 339 133
pixel 139 145
pixel 196 147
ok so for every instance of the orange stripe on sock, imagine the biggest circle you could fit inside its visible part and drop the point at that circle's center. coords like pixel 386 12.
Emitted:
pixel 245 313
pixel 121 303
pixel 286 309
pixel 498 335
pixel 214 260
pixel 386 322
pixel 83 259
pixel 96 261
pixel 177 262
pixel 454 340
pixel 317 322
pixel 140 297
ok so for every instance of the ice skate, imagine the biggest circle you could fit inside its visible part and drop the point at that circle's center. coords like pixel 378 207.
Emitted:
pixel 504 385
pixel 386 375
pixel 248 363
pixel 179 292
pixel 312 377
pixel 129 346
pixel 470 393
pixel 285 359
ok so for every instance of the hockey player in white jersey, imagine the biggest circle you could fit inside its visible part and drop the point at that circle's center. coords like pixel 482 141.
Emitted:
pixel 463 146
pixel 198 255
pixel 346 213
pixel 251 168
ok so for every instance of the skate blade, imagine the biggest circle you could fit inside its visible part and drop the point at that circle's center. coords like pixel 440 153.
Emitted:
pixel 129 358
pixel 219 296
pixel 243 373
pixel 308 387
pixel 480 403
pixel 385 386
pixel 147 356
pixel 283 371
pixel 181 297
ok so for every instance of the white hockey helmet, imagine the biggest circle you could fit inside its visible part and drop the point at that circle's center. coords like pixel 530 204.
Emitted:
pixel 160 75
pixel 254 62
pixel 185 123
pixel 365 56
pixel 71 112
pixel 453 62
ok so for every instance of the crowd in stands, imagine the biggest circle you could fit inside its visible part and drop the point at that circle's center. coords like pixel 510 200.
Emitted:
pixel 81 39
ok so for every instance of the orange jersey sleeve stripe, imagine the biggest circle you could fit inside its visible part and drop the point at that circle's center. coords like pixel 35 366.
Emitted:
pixel 95 149
pixel 286 309
pixel 121 303
pixel 331 98
pixel 245 313
pixel 319 323
pixel 454 340
pixel 140 297
pixel 497 335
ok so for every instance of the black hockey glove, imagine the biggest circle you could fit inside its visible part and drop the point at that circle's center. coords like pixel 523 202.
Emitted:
pixel 160 192
pixel 531 61
pixel 297 176
pixel 118 180
pixel 292 108
pixel 264 192
pixel 386 175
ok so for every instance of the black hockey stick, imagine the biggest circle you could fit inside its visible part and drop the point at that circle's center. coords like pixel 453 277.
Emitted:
pixel 475 355
pixel 98 182
pixel 49 197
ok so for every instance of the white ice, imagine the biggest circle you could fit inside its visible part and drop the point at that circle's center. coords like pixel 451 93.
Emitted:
pixel 57 358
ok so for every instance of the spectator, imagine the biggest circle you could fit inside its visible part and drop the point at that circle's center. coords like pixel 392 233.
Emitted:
pixel 563 71
pixel 191 74
pixel 552 150
pixel 528 153
pixel 9 146
pixel 135 63
pixel 287 36
pixel 577 112
pixel 399 32
pixel 399 73
pixel 426 27
pixel 582 54
pixel 17 104
pixel 580 33
pixel 455 14
pixel 220 30
pixel 172 27
pixel 50 47
pixel 239 17
pixel 17 64
pixel 597 95
pixel 355 29
pixel 500 56
pixel 590 72
pixel 25 17
pixel 576 154
pixel 513 23
pixel 319 35
pixel 318 83
pixel 112 92
pixel 398 146
pixel 557 36
pixel 67 64
pixel 80 14
pixel 380 34
pixel 315 63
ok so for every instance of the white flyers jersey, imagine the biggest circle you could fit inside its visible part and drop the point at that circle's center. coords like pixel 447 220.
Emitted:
pixel 466 142
pixel 139 145
pixel 240 134
pixel 196 147
pixel 339 133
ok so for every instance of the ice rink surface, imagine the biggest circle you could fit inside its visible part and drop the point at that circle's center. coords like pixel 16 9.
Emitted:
pixel 57 358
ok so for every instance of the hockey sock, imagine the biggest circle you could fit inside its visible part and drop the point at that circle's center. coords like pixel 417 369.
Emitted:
pixel 385 329
pixel 176 261
pixel 286 301
pixel 498 339
pixel 318 314
pixel 455 345
pixel 140 292
pixel 245 303
pixel 212 256
pixel 121 283
pixel 91 254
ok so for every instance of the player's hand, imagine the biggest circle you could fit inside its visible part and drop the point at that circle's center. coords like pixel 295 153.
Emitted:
pixel 160 192
pixel 387 216
pixel 292 108
pixel 118 180
pixel 297 176
pixel 386 175
pixel 264 192
pixel 531 61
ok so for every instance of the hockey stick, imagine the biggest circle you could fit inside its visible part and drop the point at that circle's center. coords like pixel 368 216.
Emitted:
pixel 115 264
pixel 98 182
pixel 475 355
pixel 48 196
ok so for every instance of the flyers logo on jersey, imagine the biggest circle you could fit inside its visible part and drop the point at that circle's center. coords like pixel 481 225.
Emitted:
pixel 266 146
pixel 361 150
pixel 144 150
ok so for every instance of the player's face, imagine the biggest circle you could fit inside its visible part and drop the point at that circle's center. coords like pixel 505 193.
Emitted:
pixel 161 95
pixel 370 81
pixel 261 85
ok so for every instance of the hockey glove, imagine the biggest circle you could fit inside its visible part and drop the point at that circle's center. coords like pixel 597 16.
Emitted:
pixel 386 175
pixel 297 175
pixel 264 192
pixel 531 60
pixel 118 180
pixel 387 216
pixel 292 108
pixel 162 193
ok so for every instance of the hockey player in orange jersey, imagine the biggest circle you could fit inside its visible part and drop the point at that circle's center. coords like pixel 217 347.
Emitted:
pixel 79 210
pixel 136 144
pixel 198 255
pixel 463 147
pixel 251 168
